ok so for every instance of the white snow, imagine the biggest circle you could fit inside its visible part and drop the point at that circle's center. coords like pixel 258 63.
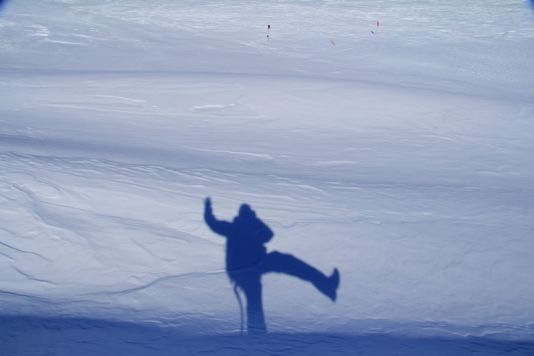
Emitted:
pixel 403 158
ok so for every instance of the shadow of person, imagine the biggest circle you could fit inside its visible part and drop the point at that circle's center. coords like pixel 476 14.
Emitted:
pixel 247 260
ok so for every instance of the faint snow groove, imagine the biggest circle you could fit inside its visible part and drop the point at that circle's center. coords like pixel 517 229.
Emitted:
pixel 143 248
pixel 124 98
pixel 45 216
pixel 367 219
pixel 28 296
pixel 100 109
pixel 117 167
pixel 239 153
pixel 249 75
pixel 7 256
pixel 311 222
pixel 30 277
pixel 155 282
pixel 20 250
pixel 216 174
pixel 134 223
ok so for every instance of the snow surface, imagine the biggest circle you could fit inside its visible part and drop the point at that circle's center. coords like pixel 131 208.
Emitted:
pixel 403 158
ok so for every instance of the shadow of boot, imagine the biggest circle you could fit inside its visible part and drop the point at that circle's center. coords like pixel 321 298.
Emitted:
pixel 329 285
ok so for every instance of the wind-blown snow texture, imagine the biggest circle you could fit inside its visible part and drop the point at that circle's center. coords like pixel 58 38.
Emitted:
pixel 403 158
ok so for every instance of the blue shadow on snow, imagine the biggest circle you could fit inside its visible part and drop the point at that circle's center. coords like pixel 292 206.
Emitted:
pixel 40 336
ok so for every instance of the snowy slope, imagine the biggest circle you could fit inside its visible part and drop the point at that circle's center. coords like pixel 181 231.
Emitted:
pixel 403 158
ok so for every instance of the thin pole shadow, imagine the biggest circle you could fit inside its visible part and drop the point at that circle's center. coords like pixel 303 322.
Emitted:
pixel 247 260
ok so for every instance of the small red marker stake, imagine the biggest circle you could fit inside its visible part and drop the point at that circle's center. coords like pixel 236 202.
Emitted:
pixel 377 26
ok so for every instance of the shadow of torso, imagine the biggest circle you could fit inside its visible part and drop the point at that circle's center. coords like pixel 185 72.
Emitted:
pixel 245 248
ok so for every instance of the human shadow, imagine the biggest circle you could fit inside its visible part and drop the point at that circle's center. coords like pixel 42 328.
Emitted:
pixel 247 260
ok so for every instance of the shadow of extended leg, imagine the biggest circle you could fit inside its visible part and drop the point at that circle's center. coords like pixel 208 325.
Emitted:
pixel 285 263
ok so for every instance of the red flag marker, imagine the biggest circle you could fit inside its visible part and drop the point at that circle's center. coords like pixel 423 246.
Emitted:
pixel 377 26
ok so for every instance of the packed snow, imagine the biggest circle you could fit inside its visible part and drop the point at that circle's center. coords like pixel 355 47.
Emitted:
pixel 400 154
